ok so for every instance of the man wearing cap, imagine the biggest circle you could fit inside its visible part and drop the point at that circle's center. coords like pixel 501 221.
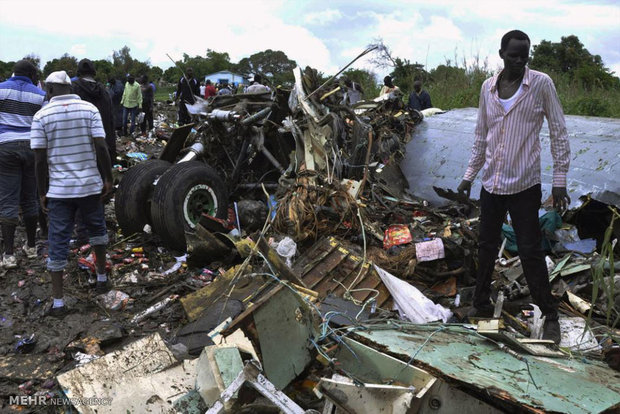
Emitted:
pixel 20 99
pixel 132 102
pixel 74 175
pixel 87 88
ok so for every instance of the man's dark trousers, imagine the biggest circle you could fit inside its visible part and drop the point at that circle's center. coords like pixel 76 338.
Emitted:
pixel 523 208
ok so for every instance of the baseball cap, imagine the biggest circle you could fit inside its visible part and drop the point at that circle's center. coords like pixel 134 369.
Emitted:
pixel 59 77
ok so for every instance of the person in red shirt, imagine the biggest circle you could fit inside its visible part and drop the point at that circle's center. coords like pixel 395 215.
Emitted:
pixel 209 90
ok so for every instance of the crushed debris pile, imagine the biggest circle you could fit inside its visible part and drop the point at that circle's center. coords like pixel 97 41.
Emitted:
pixel 270 257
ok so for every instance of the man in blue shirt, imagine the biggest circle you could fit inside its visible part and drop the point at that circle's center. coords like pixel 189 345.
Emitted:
pixel 20 99
pixel 419 98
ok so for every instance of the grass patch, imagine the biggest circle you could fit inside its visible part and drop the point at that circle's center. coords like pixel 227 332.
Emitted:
pixel 162 93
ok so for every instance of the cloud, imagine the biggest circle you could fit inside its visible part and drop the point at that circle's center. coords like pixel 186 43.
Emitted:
pixel 78 49
pixel 158 28
pixel 323 17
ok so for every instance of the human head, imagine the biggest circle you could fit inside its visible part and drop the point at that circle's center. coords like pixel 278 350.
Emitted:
pixel 144 79
pixel 26 68
pixel 417 86
pixel 130 78
pixel 515 51
pixel 387 81
pixel 513 34
pixel 190 73
pixel 58 83
pixel 258 78
pixel 86 68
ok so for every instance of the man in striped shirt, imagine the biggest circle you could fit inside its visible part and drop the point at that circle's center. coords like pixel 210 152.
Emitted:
pixel 513 104
pixel 20 99
pixel 71 158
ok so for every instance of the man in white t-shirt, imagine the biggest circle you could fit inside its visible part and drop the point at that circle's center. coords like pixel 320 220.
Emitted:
pixel 71 158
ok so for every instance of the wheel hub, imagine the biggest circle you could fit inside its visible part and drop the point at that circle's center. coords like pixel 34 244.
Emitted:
pixel 199 199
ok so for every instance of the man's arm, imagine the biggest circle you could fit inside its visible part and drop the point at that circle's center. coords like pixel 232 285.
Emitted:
pixel 427 100
pixel 123 98
pixel 560 147
pixel 105 166
pixel 41 171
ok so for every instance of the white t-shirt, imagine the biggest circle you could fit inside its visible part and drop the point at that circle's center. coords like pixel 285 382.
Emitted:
pixel 67 127
pixel 507 103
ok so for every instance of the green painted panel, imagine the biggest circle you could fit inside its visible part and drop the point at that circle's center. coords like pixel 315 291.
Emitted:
pixel 284 326
pixel 564 385
pixel 229 363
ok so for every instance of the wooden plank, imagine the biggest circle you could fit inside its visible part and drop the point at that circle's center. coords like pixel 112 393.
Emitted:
pixel 310 255
pixel 321 271
pixel 317 256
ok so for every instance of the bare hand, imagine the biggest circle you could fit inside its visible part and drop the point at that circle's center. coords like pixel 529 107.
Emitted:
pixel 43 203
pixel 106 193
pixel 464 188
pixel 561 200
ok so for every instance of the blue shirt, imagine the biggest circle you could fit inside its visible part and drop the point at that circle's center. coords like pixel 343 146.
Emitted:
pixel 19 101
pixel 421 101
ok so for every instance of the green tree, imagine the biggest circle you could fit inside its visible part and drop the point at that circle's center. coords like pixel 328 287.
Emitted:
pixel 104 69
pixel 66 62
pixel 172 75
pixel 405 73
pixel 273 64
pixel 125 64
pixel 155 74
pixel 6 69
pixel 571 58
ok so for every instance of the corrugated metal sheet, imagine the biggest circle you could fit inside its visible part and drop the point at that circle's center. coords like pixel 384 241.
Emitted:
pixel 441 146
pixel 464 358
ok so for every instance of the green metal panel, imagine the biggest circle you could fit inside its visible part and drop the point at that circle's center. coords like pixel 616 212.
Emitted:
pixel 229 363
pixel 284 326
pixel 457 354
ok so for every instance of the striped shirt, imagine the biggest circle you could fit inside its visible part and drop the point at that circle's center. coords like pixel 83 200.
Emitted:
pixel 19 101
pixel 507 143
pixel 67 128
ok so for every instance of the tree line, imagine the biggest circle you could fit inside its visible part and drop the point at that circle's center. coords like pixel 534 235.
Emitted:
pixel 584 84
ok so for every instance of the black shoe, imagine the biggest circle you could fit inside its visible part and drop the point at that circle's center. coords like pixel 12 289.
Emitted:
pixel 103 287
pixel 551 331
pixel 483 312
pixel 58 313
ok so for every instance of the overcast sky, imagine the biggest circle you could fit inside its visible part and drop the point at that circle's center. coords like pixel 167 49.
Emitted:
pixel 325 34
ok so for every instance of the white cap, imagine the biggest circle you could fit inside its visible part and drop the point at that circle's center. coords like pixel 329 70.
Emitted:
pixel 59 77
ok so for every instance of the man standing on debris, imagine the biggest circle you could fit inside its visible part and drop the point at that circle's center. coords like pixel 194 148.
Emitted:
pixel 20 99
pixel 388 86
pixel 132 103
pixel 87 88
pixel 116 90
pixel 419 99
pixel 148 97
pixel 186 89
pixel 256 85
pixel 71 158
pixel 507 143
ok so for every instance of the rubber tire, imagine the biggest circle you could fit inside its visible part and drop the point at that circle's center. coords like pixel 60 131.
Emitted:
pixel 133 195
pixel 170 195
